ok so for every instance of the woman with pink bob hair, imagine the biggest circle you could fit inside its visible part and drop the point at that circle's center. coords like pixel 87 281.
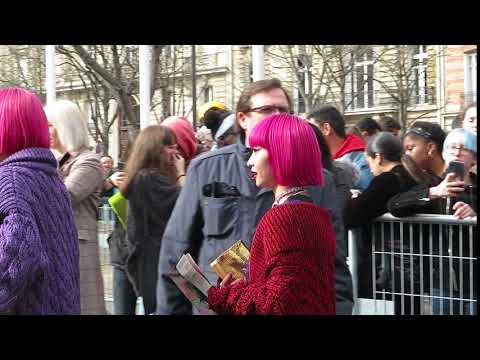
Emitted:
pixel 39 255
pixel 291 267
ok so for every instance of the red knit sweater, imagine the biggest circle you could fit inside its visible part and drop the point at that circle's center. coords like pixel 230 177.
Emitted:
pixel 292 266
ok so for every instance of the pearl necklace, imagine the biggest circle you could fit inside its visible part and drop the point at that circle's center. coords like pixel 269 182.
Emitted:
pixel 289 192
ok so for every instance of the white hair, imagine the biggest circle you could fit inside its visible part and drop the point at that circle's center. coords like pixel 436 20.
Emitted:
pixel 70 123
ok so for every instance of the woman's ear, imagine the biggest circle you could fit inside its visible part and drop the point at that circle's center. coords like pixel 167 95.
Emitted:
pixel 326 129
pixel 431 148
pixel 379 158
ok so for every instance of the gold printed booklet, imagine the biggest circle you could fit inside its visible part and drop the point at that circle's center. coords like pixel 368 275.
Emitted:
pixel 233 260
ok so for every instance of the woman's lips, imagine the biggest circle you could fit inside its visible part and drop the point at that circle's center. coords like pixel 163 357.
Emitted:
pixel 253 175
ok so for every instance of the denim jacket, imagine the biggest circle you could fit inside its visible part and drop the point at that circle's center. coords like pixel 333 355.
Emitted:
pixel 206 225
pixel 357 158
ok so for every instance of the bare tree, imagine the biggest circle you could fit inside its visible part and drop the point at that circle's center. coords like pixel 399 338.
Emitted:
pixel 98 98
pixel 23 66
pixel 309 78
pixel 171 83
pixel 339 63
pixel 321 73
pixel 402 74
pixel 110 72
pixel 116 67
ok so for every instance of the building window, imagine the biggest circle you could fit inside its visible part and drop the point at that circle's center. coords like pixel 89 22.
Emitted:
pixel 207 94
pixel 470 77
pixel 362 80
pixel 420 58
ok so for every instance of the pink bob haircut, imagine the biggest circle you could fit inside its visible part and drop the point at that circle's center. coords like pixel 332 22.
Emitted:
pixel 23 123
pixel 292 147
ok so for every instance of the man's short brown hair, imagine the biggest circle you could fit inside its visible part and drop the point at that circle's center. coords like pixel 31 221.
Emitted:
pixel 244 104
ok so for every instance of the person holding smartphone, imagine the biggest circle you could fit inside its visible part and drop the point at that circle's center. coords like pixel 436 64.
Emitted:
pixel 456 194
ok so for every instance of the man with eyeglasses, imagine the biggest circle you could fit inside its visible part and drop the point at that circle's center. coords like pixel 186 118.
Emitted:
pixel 220 204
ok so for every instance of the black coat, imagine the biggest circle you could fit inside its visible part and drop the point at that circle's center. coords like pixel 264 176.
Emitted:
pixel 360 212
pixel 373 201
pixel 416 200
pixel 151 201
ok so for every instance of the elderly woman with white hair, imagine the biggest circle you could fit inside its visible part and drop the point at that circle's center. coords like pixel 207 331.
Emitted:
pixel 83 176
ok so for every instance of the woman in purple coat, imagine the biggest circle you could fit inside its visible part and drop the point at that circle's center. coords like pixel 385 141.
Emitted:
pixel 39 257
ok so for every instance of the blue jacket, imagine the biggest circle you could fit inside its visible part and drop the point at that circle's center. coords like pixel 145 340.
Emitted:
pixel 357 158
pixel 205 226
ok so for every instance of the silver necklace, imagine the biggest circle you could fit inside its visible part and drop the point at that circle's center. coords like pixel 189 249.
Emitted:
pixel 286 193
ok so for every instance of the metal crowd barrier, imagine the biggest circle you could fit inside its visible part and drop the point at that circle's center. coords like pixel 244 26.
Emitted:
pixel 420 265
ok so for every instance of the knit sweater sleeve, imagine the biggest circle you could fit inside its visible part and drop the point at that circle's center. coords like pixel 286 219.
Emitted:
pixel 19 258
pixel 278 295
pixel 292 247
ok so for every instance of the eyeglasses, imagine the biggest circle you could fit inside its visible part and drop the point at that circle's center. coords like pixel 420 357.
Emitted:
pixel 270 109
pixel 452 148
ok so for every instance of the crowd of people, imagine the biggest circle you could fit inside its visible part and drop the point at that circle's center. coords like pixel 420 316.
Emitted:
pixel 288 187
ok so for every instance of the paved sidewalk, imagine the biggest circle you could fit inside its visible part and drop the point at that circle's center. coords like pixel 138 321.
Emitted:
pixel 104 229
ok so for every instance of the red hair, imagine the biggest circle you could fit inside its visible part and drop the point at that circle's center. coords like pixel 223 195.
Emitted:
pixel 187 144
pixel 293 151
pixel 23 123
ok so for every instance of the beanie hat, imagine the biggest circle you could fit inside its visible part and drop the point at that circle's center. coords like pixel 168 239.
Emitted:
pixel 187 145
pixel 462 136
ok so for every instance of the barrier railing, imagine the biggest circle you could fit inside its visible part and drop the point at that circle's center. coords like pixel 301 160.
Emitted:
pixel 425 264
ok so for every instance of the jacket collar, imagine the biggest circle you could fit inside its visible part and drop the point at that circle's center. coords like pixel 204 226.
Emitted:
pixel 31 155
pixel 244 154
pixel 351 143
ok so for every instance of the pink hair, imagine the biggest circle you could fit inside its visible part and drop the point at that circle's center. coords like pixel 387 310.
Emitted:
pixel 23 123
pixel 185 135
pixel 293 150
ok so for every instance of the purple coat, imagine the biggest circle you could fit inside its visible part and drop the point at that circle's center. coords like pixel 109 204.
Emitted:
pixel 39 256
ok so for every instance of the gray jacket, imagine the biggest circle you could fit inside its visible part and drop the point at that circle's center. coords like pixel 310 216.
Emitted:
pixel 205 226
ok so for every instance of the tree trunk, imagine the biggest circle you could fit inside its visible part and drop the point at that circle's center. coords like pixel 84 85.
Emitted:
pixel 402 116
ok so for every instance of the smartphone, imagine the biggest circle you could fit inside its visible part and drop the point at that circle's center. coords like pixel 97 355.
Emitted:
pixel 457 167
pixel 121 165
